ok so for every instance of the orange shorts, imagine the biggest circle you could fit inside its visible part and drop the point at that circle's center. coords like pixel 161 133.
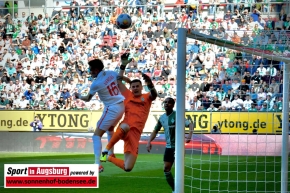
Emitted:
pixel 131 141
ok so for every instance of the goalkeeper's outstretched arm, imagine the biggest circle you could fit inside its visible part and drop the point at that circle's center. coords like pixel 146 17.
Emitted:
pixel 121 77
pixel 150 85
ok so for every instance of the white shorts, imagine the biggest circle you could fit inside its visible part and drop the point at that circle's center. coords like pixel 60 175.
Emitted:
pixel 111 116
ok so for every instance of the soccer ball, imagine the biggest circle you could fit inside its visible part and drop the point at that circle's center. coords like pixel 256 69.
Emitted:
pixel 124 21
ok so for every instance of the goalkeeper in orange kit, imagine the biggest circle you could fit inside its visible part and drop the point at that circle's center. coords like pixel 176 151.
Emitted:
pixel 137 108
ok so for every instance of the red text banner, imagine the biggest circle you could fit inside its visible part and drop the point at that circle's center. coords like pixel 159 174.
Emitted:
pixel 51 176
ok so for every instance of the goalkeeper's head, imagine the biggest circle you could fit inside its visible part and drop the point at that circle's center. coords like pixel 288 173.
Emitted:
pixel 96 66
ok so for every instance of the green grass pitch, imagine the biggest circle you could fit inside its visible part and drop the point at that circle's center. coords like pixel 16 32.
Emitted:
pixel 204 173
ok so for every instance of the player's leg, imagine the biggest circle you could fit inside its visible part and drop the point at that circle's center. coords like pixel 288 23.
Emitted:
pixel 131 151
pixel 97 145
pixel 118 112
pixel 131 143
pixel 127 165
pixel 121 131
pixel 114 116
pixel 111 115
pixel 168 163
pixel 110 134
pixel 130 160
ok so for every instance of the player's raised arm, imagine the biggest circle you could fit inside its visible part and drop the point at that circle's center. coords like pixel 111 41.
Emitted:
pixel 150 85
pixel 121 77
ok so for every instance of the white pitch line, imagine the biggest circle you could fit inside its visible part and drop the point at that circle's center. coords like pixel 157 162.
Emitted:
pixel 187 166
pixel 142 177
pixel 77 160
pixel 187 177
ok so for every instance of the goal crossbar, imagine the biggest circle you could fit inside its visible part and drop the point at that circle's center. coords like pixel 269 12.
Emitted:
pixel 239 47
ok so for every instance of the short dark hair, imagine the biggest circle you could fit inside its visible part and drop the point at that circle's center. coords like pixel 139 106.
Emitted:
pixel 170 100
pixel 135 80
pixel 96 64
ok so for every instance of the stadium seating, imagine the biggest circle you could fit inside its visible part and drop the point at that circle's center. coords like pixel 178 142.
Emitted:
pixel 153 51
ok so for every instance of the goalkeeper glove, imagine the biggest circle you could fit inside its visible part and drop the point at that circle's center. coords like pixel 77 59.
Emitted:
pixel 125 59
pixel 148 81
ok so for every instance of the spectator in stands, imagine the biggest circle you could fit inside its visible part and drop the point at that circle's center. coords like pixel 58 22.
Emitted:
pixel 226 104
pixel 3 102
pixel 261 97
pixel 215 129
pixel 60 103
pixel 252 108
pixel 247 103
pixel 33 102
pixel 264 107
pixel 36 124
pixel 243 86
pixel 28 94
pixel 255 15
pixel 237 103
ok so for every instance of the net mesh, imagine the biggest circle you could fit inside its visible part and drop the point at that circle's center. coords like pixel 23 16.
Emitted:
pixel 237 144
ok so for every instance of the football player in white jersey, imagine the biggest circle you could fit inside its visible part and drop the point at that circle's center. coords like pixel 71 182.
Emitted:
pixel 105 84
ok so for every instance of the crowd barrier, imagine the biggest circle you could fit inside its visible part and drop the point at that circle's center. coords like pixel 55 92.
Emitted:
pixel 81 121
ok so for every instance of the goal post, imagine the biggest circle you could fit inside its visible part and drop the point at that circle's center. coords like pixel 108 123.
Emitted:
pixel 285 129
pixel 182 35
pixel 180 111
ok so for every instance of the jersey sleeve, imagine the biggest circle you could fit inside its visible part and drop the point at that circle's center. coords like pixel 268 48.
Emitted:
pixel 158 126
pixel 187 122
pixel 127 93
pixel 115 74
pixel 147 96
pixel 94 88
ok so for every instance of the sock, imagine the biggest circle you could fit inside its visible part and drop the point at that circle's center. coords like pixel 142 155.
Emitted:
pixel 116 137
pixel 169 179
pixel 110 135
pixel 97 148
pixel 118 162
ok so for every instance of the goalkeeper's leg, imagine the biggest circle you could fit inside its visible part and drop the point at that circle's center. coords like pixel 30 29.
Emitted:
pixel 120 133
pixel 168 163
pixel 131 143
pixel 127 165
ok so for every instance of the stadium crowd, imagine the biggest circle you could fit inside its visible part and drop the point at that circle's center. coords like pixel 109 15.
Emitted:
pixel 44 58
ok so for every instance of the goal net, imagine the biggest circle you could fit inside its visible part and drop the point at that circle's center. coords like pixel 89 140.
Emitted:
pixel 237 95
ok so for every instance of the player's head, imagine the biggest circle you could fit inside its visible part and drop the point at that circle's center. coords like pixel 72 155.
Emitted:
pixel 95 67
pixel 169 103
pixel 136 87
